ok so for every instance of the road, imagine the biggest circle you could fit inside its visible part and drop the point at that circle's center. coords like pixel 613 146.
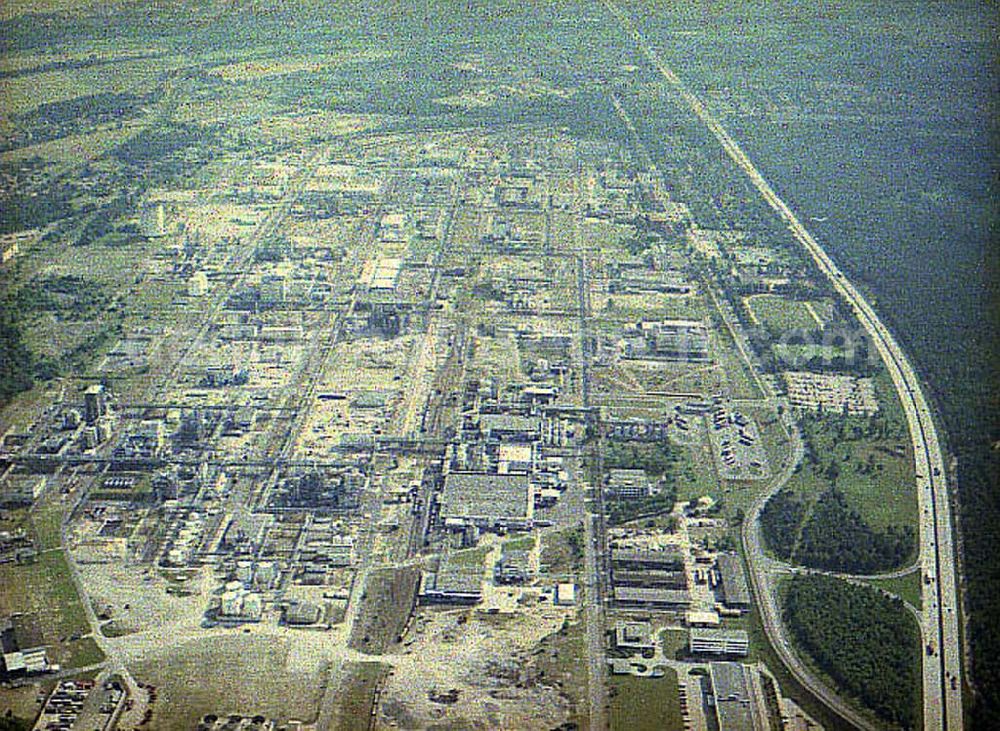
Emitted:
pixel 594 537
pixel 942 672
pixel 114 664
pixel 220 295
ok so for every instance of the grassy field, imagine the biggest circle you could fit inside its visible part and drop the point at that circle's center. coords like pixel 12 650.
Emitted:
pixel 236 673
pixel 20 94
pixel 797 354
pixel 884 496
pixel 46 589
pixel 73 148
pixel 559 558
pixel 471 557
pixel 742 383
pixel 522 543
pixel 84 653
pixel 354 708
pixel 22 702
pixel 778 315
pixel 695 474
pixel 906 587
pixel 645 704
pixel 388 600
pixel 653 305
pixel 560 663
pixel 45 593
pixel 46 520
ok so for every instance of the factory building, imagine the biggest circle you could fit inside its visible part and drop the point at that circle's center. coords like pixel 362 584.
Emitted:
pixel 510 427
pixel 708 641
pixel 733 589
pixel 454 582
pixel 94 404
pixel 487 501
pixel 635 636
pixel 736 706
pixel 674 340
pixel 651 598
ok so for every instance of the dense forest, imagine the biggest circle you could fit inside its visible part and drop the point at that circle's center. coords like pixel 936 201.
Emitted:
pixel 780 521
pixel 16 361
pixel 865 641
pixel 834 537
pixel 837 538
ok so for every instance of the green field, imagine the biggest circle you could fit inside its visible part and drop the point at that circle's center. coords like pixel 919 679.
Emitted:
pixel 906 587
pixel 235 673
pixel 883 493
pixel 471 557
pixel 560 661
pixel 779 315
pixel 738 373
pixel 354 708
pixel 645 704
pixel 561 553
pixel 84 653
pixel 522 543
pixel 47 523
pixel 45 593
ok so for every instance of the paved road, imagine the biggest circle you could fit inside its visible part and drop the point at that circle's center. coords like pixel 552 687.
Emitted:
pixel 594 538
pixel 942 669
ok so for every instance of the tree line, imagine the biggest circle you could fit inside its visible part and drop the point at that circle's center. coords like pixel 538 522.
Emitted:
pixel 862 639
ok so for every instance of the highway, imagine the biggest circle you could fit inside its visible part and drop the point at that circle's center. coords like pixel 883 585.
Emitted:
pixel 942 679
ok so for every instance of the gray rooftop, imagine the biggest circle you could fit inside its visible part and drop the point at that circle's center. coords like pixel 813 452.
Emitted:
pixel 644 595
pixel 457 577
pixel 732 697
pixel 709 633
pixel 671 556
pixel 734 581
pixel 510 423
pixel 486 496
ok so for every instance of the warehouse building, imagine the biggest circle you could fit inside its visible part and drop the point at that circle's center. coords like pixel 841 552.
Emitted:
pixel 673 340
pixel 455 582
pixel 734 699
pixel 653 578
pixel 707 641
pixel 514 567
pixel 733 589
pixel 487 501
pixel 648 598
pixel 641 560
